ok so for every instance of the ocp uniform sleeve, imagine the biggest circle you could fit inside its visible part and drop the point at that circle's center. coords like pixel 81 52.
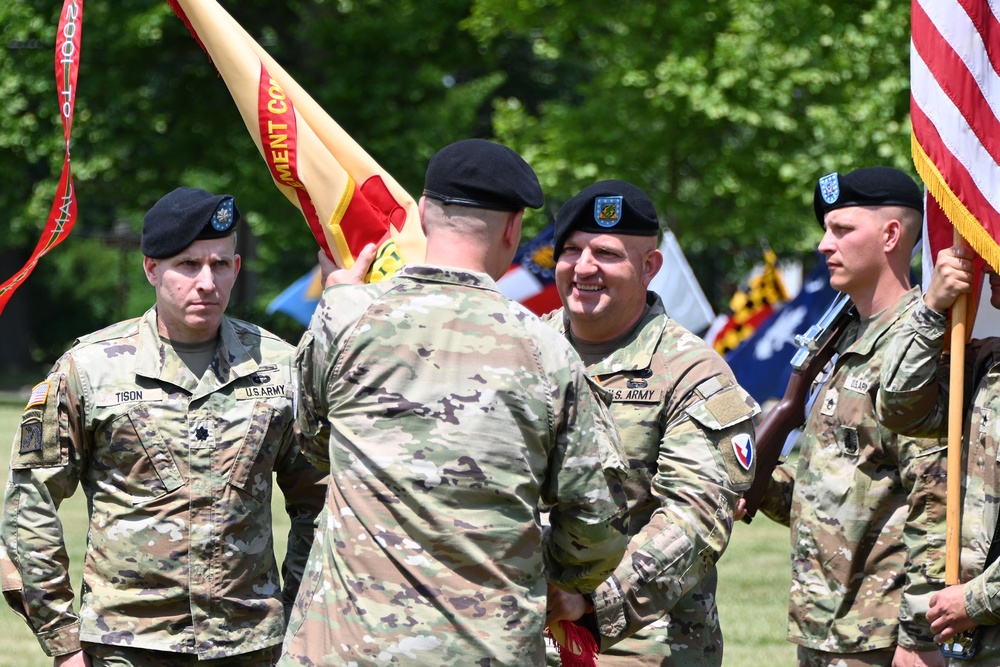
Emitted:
pixel 923 468
pixel 312 428
pixel 698 481
pixel 776 504
pixel 47 458
pixel 304 489
pixel 588 510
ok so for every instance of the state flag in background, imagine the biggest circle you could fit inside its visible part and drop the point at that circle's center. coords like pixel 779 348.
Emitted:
pixel 750 307
pixel 531 279
pixel 762 363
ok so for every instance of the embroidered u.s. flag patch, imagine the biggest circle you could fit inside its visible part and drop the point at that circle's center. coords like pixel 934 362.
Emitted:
pixel 38 395
pixel 743 447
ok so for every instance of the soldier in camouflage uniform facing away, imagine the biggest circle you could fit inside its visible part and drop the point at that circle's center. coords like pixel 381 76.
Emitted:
pixel 865 506
pixel 174 424
pixel 449 417
pixel 686 428
pixel 914 400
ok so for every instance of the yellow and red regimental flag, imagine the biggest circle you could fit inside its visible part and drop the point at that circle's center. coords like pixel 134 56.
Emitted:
pixel 346 197
pixel 954 107
pixel 62 215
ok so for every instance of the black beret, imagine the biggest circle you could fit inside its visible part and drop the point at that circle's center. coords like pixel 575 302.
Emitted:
pixel 868 186
pixel 482 174
pixel 606 207
pixel 184 216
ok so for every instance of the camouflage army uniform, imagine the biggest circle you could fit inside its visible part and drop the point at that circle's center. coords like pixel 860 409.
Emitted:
pixel 447 414
pixel 680 415
pixel 177 475
pixel 914 399
pixel 866 510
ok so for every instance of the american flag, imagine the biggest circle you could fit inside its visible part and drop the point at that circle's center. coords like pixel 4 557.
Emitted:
pixel 954 107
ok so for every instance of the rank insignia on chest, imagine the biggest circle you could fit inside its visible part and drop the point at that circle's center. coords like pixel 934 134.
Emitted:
pixel 200 435
pixel 830 402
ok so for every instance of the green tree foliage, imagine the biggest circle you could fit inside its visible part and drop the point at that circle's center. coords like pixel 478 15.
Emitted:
pixel 725 111
pixel 152 114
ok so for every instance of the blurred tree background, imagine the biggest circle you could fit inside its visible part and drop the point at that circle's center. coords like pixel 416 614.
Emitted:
pixel 724 111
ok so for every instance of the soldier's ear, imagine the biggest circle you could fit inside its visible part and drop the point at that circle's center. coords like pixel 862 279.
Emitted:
pixel 651 265
pixel 149 266
pixel 892 233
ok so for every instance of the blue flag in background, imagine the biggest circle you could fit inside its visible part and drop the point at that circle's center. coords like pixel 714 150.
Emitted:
pixel 762 362
pixel 299 299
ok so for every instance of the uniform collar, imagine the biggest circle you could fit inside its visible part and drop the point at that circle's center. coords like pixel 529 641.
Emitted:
pixel 442 274
pixel 880 324
pixel 157 360
pixel 638 346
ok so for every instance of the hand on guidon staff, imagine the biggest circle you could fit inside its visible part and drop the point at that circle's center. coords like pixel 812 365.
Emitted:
pixel 353 276
pixel 947 613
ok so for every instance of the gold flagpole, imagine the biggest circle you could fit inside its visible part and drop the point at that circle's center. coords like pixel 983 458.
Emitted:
pixel 953 507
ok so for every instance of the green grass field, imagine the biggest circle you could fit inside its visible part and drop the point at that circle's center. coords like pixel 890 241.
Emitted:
pixel 753 587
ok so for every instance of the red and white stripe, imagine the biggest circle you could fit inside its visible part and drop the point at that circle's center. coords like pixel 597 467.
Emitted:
pixel 955 112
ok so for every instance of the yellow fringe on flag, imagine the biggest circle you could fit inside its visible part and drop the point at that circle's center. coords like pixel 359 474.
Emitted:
pixel 963 220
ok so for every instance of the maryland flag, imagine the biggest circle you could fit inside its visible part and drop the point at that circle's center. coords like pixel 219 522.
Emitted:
pixel 346 197
pixel 751 307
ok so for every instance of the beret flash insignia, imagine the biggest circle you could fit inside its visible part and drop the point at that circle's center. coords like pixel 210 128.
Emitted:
pixel 608 210
pixel 829 187
pixel 223 217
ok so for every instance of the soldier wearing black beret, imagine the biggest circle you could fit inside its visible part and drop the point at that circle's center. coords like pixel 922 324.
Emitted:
pixel 177 424
pixel 186 215
pixel 868 186
pixel 482 174
pixel 686 428
pixel 856 483
pixel 470 409
pixel 464 176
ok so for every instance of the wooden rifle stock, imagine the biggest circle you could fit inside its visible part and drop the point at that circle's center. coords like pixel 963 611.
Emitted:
pixel 816 348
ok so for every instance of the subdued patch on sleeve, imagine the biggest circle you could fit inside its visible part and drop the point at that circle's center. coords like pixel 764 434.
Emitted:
pixel 729 407
pixel 37 444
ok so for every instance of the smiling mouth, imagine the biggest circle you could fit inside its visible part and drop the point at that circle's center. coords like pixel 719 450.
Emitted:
pixel 588 288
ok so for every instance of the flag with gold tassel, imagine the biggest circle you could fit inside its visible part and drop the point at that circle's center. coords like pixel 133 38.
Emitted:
pixel 347 199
